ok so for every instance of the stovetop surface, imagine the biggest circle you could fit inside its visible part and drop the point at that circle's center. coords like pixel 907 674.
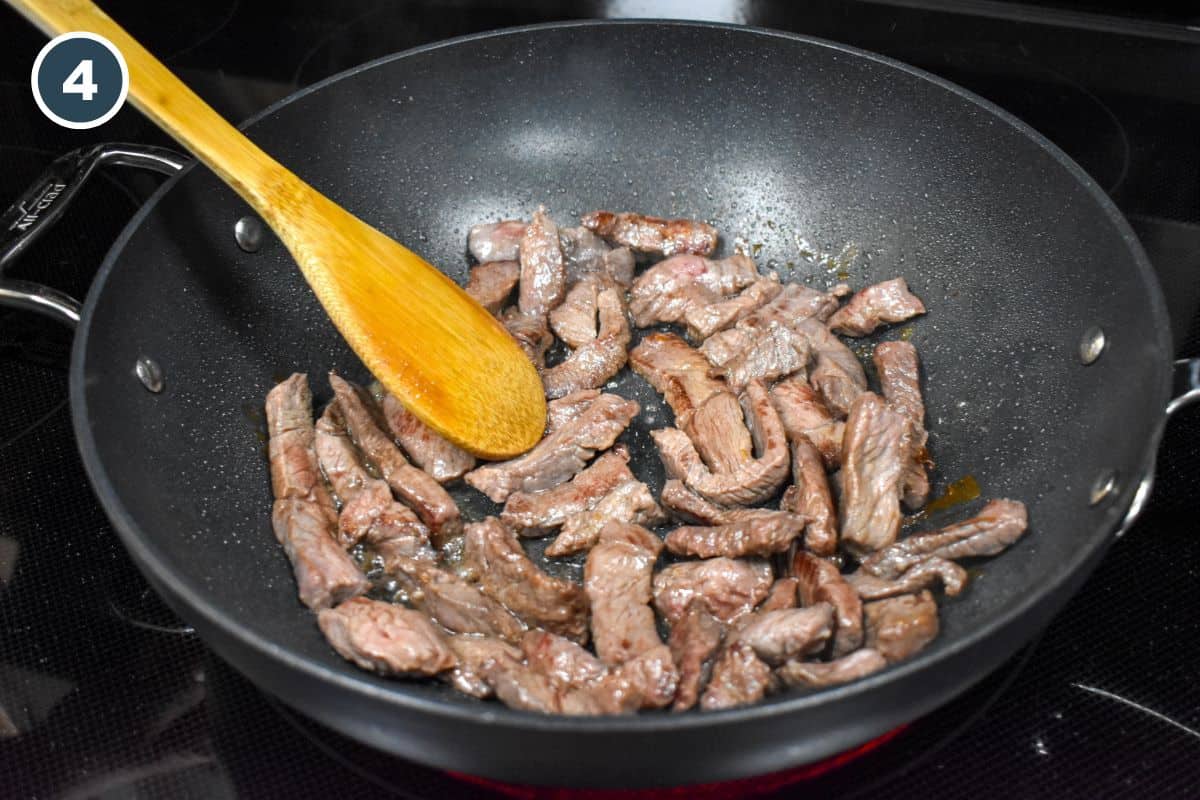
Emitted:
pixel 104 693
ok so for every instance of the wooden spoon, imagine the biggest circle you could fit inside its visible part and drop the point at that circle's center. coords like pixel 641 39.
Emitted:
pixel 445 357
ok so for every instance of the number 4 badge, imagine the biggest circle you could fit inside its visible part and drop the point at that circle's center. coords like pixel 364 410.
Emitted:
pixel 79 80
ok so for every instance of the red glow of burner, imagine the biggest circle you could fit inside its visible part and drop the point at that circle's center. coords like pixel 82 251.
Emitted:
pixel 727 790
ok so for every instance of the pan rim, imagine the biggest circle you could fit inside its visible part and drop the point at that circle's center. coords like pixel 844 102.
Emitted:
pixel 149 558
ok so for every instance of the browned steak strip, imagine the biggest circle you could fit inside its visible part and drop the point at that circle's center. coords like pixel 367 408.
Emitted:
pixel 595 361
pixel 922 575
pixel 687 506
pixel 718 430
pixel 617 579
pixel 559 456
pixel 543 275
pixel 704 320
pixel 561 411
pixel 648 234
pixel 677 371
pixel 629 502
pixel 586 254
pixel 535 514
pixel 412 485
pixel 727 587
pixel 874 453
pixel 759 535
pixel 821 582
pixel 988 533
pixel 809 497
pixel 496 241
pixel 295 472
pixel 506 574
pixel 474 654
pixel 786 633
pixel 670 289
pixel 817 675
pixel 385 638
pixel 518 686
pixel 491 284
pixel 442 459
pixel 530 332
pixel 694 642
pixel 797 302
pixel 900 376
pixel 782 595
pixel 564 662
pixel 739 678
pixel 804 414
pixel 457 605
pixel 836 373
pixel 900 627
pixel 889 301
pixel 773 351
pixel 574 321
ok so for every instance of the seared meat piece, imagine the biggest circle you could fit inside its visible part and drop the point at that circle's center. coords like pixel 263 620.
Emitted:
pixel 782 595
pixel 889 301
pixel 506 574
pixel 559 456
pixel 518 686
pixel 836 372
pixel 809 496
pixel 535 514
pixel 797 302
pixel 649 680
pixel 564 662
pixel 457 605
pixel 595 361
pixel 475 654
pixel 561 411
pixel 629 502
pixel 785 633
pixel 773 351
pixel 874 452
pixel 821 582
pixel 751 482
pixel 723 346
pixel 759 535
pixel 686 505
pixel 543 274
pixel 694 641
pixel 496 241
pixel 587 254
pixel 442 459
pixel 900 627
pixel 991 531
pixel 414 486
pixel 303 517
pixel 922 575
pixel 492 283
pixel 817 675
pixel 666 291
pixel 704 320
pixel 530 331
pixel 718 430
pixel 647 234
pixel 899 375
pixel 739 678
pixel 677 371
pixel 574 321
pixel 727 587
pixel 804 414
pixel 385 638
pixel 617 581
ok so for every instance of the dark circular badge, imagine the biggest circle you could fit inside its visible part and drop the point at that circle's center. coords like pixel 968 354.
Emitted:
pixel 80 80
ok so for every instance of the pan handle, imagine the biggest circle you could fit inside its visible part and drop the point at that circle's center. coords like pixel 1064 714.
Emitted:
pixel 43 204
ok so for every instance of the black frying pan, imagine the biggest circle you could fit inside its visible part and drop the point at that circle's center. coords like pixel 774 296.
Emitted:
pixel 777 138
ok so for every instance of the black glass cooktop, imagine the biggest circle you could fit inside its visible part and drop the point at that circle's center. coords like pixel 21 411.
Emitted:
pixel 104 693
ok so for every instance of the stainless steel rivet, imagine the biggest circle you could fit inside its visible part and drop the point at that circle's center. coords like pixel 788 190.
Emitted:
pixel 1092 345
pixel 149 373
pixel 1103 488
pixel 248 231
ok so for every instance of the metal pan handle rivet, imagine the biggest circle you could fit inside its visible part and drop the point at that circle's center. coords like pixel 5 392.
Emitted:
pixel 1104 487
pixel 1092 345
pixel 248 232
pixel 149 373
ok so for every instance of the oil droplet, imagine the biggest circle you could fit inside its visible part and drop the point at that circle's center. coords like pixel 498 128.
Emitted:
pixel 755 249
pixel 906 333
pixel 842 274
pixel 961 491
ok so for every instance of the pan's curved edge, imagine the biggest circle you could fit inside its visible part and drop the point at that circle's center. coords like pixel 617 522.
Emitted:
pixel 146 556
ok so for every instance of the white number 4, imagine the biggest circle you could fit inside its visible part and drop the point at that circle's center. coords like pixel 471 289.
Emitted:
pixel 80 81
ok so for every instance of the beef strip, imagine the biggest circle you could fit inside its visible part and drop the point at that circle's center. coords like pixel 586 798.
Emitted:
pixel 809 497
pixel 595 361
pixel 819 581
pixel 414 486
pixel 782 595
pixel 564 662
pixel 574 321
pixel 587 254
pixel 694 641
pixel 889 301
pixel 797 302
pixel 647 234
pixel 456 604
pixel 506 574
pixel 530 332
pixel 836 373
pixel 727 587
pixel 385 638
pixel 739 678
pixel 677 371
pixel 760 535
pixel 900 627
pixel 818 675
pixel 669 289
pixel 718 430
pixel 559 456
pixel 492 283
pixel 543 275
pixel 773 351
pixel 804 414
pixel 561 411
pixel 442 459
pixel 628 502
pixel 496 241
pixel 703 321
pixel 988 533
pixel 518 686
pixel 687 506
pixel 535 514
pixel 617 579
pixel 475 654
pixel 751 482
pixel 874 452
pixel 303 517
pixel 922 575
pixel 785 633
pixel 899 375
